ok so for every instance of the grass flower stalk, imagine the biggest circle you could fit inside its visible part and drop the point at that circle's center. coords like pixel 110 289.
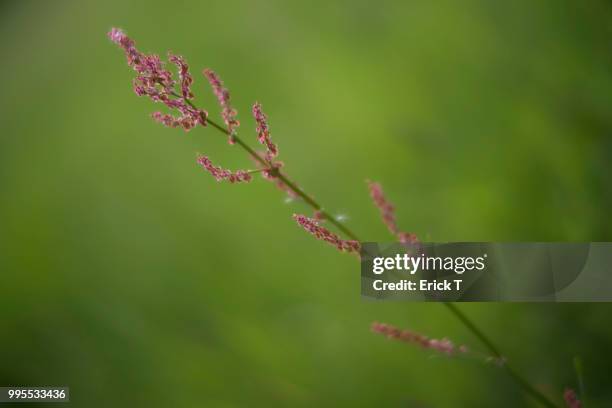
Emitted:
pixel 154 81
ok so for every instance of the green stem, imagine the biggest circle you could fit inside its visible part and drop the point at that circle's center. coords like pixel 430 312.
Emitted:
pixel 528 388
pixel 524 384
pixel 475 330
pixel 580 378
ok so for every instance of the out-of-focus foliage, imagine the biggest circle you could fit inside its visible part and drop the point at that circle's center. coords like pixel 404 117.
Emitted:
pixel 130 275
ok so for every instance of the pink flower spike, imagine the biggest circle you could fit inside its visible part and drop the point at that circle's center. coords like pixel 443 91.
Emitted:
pixel 443 346
pixel 312 226
pixel 263 132
pixel 387 213
pixel 223 96
pixel 240 176
pixel 571 399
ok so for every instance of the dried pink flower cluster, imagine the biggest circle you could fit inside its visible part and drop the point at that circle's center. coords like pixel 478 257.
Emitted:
pixel 444 346
pixel 263 133
pixel 571 399
pixel 312 225
pixel 156 82
pixel 239 176
pixel 387 212
pixel 223 96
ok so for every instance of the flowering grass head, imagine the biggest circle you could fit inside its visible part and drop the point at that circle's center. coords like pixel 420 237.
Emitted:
pixel 158 84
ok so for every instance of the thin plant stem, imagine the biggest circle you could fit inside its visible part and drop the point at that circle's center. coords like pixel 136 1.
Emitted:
pixel 580 378
pixel 524 384
pixel 474 329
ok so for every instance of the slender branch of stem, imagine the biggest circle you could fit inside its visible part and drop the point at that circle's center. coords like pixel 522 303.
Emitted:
pixel 528 388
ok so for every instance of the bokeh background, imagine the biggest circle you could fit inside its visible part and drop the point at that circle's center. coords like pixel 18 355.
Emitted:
pixel 129 274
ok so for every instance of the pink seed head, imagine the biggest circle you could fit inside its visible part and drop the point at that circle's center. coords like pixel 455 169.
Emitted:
pixel 223 97
pixel 443 346
pixel 263 132
pixel 387 213
pixel 219 173
pixel 312 226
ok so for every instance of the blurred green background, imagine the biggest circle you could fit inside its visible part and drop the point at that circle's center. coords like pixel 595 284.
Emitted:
pixel 130 275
